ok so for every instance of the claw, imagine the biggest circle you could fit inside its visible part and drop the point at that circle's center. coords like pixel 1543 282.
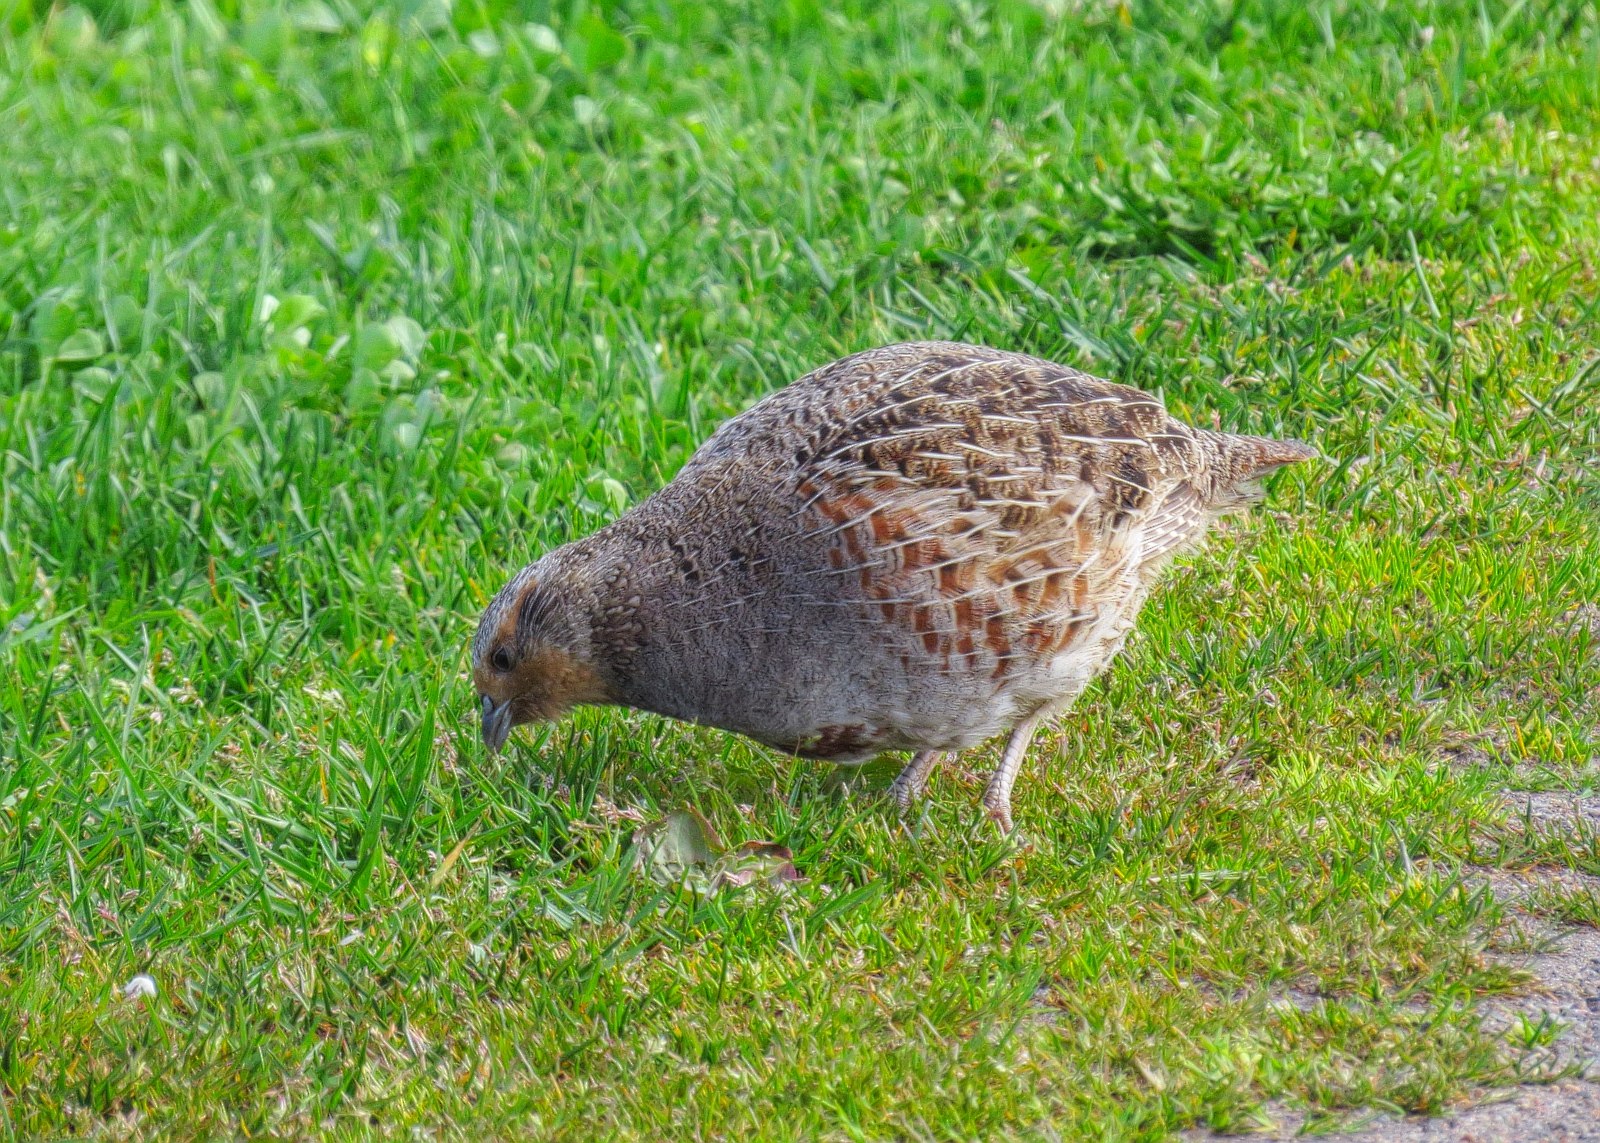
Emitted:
pixel 1000 814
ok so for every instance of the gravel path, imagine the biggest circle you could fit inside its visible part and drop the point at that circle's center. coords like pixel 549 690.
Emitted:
pixel 1568 1111
pixel 1569 978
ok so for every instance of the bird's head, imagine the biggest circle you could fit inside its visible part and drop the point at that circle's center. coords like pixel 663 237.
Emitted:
pixel 531 657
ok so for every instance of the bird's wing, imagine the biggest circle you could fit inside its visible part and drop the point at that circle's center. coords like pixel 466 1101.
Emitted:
pixel 1006 444
pixel 982 500
pixel 1178 520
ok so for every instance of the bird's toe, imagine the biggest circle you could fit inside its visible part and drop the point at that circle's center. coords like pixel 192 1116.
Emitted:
pixel 1000 814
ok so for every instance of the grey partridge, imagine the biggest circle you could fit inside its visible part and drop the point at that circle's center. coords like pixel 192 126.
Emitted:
pixel 913 548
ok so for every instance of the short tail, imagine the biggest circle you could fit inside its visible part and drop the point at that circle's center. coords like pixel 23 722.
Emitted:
pixel 1251 458
pixel 1246 460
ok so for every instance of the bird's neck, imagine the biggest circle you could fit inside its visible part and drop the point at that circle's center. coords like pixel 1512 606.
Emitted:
pixel 604 593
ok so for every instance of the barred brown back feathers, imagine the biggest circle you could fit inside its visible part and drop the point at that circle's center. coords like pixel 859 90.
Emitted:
pixel 912 548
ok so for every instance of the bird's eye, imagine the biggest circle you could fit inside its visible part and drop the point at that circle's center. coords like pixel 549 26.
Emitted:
pixel 501 660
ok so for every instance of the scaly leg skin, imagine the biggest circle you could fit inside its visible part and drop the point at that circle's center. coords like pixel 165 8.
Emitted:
pixel 908 787
pixel 997 794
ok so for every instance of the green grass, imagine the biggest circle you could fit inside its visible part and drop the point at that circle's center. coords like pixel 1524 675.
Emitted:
pixel 316 324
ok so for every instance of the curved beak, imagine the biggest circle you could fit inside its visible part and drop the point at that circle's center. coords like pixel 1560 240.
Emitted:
pixel 496 723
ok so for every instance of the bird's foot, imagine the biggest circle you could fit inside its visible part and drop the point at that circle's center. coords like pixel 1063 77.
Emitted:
pixel 999 812
pixel 997 794
pixel 908 786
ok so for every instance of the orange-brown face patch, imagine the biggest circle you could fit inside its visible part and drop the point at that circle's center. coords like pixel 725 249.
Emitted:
pixel 542 686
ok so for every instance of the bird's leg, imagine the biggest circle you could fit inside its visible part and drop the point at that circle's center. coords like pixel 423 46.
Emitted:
pixel 907 788
pixel 997 794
